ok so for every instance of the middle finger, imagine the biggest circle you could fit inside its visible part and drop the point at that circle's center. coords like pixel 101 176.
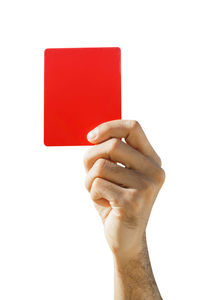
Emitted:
pixel 117 151
pixel 112 172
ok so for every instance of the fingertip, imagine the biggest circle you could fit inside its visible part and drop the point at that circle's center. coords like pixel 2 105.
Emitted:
pixel 92 135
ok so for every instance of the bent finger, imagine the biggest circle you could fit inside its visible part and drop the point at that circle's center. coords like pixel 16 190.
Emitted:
pixel 125 177
pixel 118 151
pixel 131 131
pixel 114 194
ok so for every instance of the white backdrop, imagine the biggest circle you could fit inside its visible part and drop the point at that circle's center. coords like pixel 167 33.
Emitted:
pixel 51 238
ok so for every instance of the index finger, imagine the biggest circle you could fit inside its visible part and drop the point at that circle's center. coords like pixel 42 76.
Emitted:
pixel 131 131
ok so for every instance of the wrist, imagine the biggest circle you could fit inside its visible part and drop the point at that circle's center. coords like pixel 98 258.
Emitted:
pixel 121 259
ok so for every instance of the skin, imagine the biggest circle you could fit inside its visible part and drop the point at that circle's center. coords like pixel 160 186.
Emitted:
pixel 123 178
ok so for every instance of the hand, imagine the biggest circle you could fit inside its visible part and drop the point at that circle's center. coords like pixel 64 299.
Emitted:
pixel 123 194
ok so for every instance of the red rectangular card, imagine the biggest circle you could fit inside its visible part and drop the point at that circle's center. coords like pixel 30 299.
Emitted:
pixel 82 89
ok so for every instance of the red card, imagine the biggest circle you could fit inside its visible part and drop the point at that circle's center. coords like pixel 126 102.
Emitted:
pixel 82 89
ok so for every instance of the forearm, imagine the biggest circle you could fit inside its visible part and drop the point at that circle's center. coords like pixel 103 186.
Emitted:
pixel 134 279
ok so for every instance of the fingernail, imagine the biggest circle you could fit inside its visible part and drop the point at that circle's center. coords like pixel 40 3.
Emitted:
pixel 92 135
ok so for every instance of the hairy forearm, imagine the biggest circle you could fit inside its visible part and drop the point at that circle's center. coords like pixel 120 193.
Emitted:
pixel 134 279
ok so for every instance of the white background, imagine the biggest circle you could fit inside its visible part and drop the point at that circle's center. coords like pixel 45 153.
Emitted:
pixel 51 238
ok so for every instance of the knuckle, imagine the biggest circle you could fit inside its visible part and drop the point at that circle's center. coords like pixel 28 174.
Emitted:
pixel 114 143
pixel 149 189
pixel 96 184
pixel 94 188
pixel 100 166
pixel 158 175
pixel 134 124
pixel 97 171
pixel 161 176
pixel 89 181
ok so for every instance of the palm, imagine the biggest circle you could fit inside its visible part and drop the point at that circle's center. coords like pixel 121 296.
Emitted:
pixel 116 231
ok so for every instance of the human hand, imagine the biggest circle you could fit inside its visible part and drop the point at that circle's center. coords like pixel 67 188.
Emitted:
pixel 123 195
